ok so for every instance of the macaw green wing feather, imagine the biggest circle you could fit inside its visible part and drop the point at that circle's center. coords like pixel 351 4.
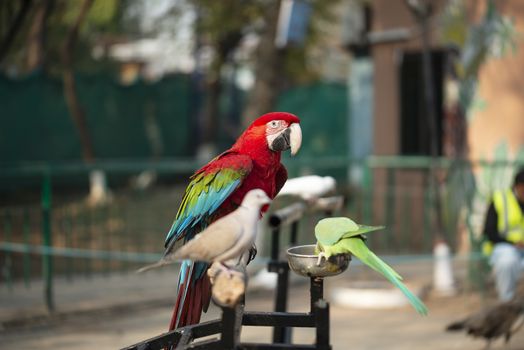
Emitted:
pixel 359 249
pixel 208 189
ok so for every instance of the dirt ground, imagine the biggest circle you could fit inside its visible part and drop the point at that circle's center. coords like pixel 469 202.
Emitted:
pixel 145 310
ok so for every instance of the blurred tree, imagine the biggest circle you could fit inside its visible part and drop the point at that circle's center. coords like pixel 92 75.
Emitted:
pixel 75 109
pixel 36 37
pixel 12 17
pixel 222 26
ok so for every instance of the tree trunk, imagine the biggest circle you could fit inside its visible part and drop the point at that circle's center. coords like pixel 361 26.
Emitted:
pixel 36 38
pixel 75 109
pixel 13 30
pixel 99 194
pixel 268 71
pixel 224 47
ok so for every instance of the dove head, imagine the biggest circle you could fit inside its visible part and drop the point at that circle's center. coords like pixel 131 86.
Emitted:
pixel 256 199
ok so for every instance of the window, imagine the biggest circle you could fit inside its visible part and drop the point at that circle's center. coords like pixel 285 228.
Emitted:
pixel 414 125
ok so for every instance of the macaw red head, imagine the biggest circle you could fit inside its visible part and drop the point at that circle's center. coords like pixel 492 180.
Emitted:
pixel 280 130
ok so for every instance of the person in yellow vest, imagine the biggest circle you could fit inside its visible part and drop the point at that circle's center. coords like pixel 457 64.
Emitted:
pixel 504 229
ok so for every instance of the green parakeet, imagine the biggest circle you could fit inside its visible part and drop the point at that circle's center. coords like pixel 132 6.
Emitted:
pixel 342 236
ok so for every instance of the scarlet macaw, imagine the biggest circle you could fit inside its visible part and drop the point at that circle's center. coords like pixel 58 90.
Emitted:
pixel 217 189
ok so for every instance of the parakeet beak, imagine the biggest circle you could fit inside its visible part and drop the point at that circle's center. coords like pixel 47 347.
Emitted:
pixel 289 138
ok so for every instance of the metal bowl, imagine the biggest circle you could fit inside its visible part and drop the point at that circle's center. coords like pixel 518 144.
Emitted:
pixel 303 261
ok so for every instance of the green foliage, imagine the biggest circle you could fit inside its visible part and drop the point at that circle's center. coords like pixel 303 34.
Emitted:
pixel 104 17
pixel 494 36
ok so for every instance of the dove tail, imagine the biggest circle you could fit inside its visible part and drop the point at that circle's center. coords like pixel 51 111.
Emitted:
pixel 193 296
pixel 160 263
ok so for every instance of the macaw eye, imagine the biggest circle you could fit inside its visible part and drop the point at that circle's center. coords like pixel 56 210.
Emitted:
pixel 274 124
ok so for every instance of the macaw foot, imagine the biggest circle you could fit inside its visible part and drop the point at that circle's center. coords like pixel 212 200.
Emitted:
pixel 320 256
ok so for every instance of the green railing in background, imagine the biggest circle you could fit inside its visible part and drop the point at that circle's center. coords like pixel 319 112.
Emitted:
pixel 62 235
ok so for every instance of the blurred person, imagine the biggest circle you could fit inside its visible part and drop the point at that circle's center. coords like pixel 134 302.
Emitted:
pixel 504 232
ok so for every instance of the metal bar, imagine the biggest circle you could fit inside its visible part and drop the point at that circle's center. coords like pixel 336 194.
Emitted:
pixel 27 256
pixel 322 321
pixel 367 197
pixel 211 344
pixel 406 221
pixel 270 319
pixel 275 237
pixel 168 339
pixel 328 204
pixel 256 346
pixel 294 233
pixel 7 269
pixel 316 291
pixel 427 218
pixel 232 323
pixel 47 258
pixel 287 215
pixel 186 336
pixel 68 231
pixel 80 253
pixel 282 334
pixel 158 342
pixel 389 209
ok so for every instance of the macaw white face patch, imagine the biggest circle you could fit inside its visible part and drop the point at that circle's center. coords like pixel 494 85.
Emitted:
pixel 273 129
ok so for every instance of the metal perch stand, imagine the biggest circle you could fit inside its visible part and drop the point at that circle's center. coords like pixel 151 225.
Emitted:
pixel 302 261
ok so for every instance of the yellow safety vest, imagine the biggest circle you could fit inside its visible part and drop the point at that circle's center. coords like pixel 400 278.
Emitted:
pixel 510 219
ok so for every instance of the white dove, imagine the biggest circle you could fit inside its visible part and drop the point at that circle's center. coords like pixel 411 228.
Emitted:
pixel 225 239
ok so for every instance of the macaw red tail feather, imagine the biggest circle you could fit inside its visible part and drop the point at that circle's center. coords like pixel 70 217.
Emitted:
pixel 192 302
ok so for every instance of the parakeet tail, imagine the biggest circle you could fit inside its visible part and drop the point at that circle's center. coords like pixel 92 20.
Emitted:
pixel 413 299
pixel 362 252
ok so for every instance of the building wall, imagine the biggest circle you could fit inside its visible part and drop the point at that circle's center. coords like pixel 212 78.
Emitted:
pixel 388 15
pixel 501 83
pixel 502 92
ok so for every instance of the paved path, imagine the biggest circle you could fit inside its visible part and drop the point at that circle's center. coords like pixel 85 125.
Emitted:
pixel 119 311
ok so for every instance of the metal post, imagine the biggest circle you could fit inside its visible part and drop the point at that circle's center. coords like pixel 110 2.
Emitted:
pixel 389 208
pixel 47 257
pixel 316 291
pixel 282 334
pixel 27 256
pixel 368 194
pixel 294 233
pixel 7 269
pixel 231 324
pixel 275 236
pixel 322 324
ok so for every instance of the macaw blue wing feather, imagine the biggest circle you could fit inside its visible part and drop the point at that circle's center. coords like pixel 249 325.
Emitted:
pixel 209 188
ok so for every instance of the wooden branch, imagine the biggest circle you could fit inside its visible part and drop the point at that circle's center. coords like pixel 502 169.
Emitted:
pixel 6 42
pixel 36 37
pixel 229 281
pixel 70 94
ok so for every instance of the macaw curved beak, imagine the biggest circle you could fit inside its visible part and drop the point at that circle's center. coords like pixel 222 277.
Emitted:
pixel 289 138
